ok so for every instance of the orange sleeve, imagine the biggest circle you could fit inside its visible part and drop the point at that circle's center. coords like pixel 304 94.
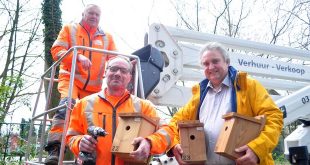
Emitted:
pixel 111 47
pixel 61 45
pixel 111 43
pixel 76 128
pixel 162 139
pixel 148 108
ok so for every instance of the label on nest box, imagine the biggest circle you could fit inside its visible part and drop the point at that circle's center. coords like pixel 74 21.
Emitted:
pixel 137 119
pixel 199 128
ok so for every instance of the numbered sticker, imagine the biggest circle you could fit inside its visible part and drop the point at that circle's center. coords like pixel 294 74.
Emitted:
pixel 186 157
pixel 137 119
pixel 283 109
pixel 305 100
pixel 199 128
pixel 114 148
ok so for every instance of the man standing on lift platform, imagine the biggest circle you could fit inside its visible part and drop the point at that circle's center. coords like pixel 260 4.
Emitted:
pixel 89 71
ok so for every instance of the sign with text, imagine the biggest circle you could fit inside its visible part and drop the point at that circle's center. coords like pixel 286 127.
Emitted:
pixel 269 67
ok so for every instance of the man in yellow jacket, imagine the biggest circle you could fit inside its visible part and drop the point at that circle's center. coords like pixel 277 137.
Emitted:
pixel 89 70
pixel 227 90
pixel 102 109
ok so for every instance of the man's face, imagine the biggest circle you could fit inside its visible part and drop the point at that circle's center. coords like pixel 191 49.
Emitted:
pixel 215 67
pixel 118 75
pixel 91 16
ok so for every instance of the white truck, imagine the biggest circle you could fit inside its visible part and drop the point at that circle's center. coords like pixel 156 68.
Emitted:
pixel 279 69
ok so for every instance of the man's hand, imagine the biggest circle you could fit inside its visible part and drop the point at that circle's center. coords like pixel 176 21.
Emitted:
pixel 143 150
pixel 86 63
pixel 87 144
pixel 177 152
pixel 248 158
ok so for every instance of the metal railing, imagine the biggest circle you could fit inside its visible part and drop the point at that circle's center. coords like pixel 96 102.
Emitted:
pixel 52 70
pixel 13 140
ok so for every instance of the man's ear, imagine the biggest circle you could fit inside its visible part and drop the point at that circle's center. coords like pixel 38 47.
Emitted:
pixel 130 77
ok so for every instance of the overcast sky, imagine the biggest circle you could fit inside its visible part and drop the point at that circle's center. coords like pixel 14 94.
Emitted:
pixel 126 20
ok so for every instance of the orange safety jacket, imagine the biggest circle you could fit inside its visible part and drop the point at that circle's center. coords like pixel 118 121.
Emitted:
pixel 97 110
pixel 77 35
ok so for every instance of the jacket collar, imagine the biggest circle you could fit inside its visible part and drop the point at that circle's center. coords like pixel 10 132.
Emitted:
pixel 232 73
pixel 103 94
pixel 98 31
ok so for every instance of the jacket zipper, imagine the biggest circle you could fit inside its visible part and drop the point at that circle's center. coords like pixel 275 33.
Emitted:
pixel 83 45
pixel 114 119
pixel 113 131
pixel 90 57
pixel 103 122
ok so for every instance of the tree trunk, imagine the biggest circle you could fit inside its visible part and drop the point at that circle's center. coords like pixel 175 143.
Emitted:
pixel 51 15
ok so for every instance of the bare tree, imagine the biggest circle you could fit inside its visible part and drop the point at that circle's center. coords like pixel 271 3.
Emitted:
pixel 230 16
pixel 51 17
pixel 301 38
pixel 221 16
pixel 283 21
pixel 20 52
pixel 185 19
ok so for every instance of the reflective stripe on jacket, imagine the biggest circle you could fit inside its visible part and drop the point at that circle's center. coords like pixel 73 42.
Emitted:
pixel 98 111
pixel 76 35
pixel 249 98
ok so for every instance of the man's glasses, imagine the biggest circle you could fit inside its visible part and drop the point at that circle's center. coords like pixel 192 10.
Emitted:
pixel 115 69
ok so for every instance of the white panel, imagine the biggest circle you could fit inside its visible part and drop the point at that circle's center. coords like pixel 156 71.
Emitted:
pixel 201 38
pixel 270 68
pixel 296 105
pixel 253 65
pixel 176 96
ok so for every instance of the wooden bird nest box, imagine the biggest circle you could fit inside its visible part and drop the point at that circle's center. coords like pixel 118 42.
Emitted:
pixel 130 126
pixel 238 130
pixel 192 139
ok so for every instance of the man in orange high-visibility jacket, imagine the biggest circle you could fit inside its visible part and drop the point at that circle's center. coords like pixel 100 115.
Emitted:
pixel 102 109
pixel 89 70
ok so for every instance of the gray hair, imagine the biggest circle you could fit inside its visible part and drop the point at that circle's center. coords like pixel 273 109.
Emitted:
pixel 86 8
pixel 216 46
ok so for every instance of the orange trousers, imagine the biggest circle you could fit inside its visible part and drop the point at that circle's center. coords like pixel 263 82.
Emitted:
pixel 55 133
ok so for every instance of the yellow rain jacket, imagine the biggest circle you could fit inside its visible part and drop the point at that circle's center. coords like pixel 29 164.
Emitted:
pixel 249 98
